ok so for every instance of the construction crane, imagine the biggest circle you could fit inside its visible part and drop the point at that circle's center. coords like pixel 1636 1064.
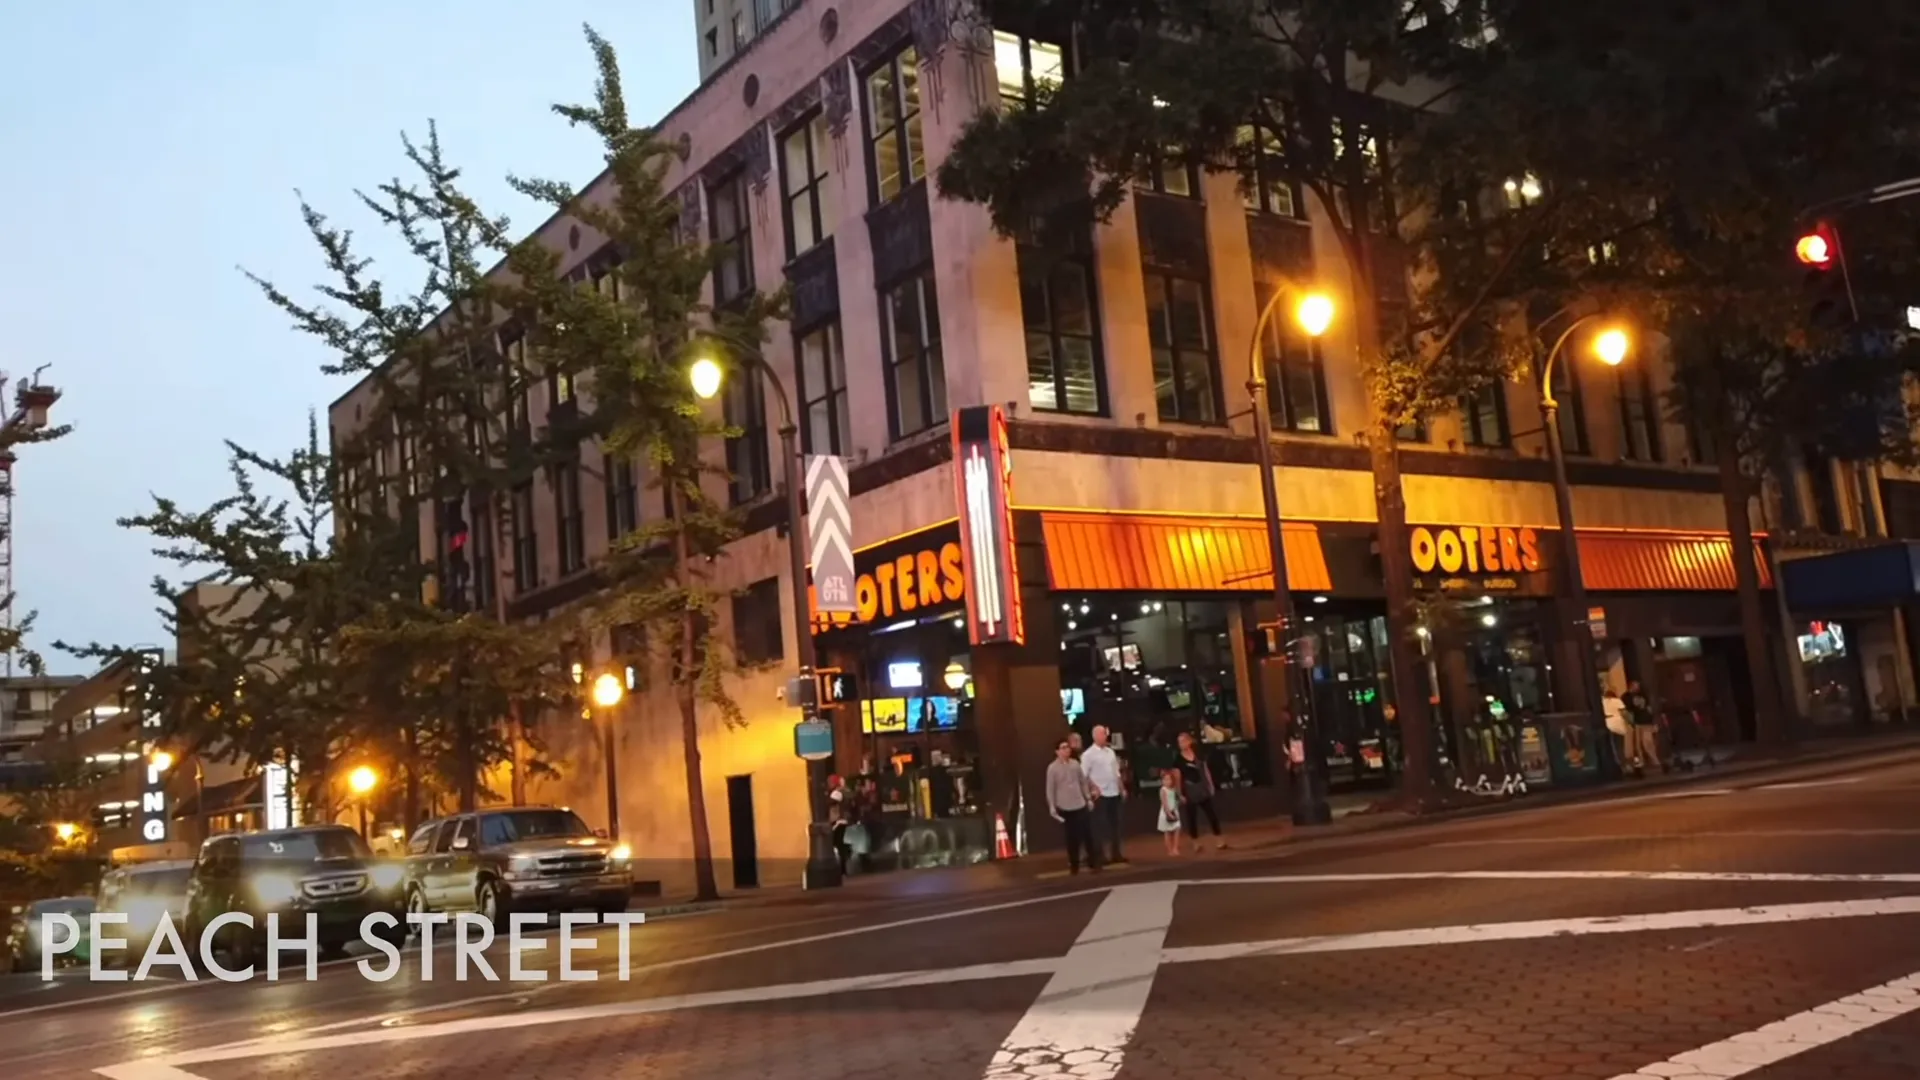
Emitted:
pixel 31 401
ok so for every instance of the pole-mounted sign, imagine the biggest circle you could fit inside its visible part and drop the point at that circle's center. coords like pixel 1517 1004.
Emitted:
pixel 830 534
pixel 983 480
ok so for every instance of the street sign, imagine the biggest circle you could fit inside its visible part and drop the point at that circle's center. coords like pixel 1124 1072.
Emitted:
pixel 1597 622
pixel 830 535
pixel 813 740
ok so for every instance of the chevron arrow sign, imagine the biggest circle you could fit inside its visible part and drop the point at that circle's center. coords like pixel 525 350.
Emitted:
pixel 830 534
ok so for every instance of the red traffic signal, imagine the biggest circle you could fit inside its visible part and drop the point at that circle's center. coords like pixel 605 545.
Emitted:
pixel 1816 247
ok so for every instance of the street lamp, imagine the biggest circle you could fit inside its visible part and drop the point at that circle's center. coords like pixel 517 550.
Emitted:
pixel 823 863
pixel 361 782
pixel 1313 311
pixel 65 831
pixel 606 693
pixel 160 760
pixel 1610 345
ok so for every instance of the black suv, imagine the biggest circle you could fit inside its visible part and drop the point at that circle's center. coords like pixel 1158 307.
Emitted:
pixel 325 869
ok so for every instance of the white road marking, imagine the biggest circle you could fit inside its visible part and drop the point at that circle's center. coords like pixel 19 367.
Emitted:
pixel 1799 785
pixel 1569 875
pixel 1654 838
pixel 1754 1050
pixel 1110 967
pixel 1542 928
pixel 1085 1017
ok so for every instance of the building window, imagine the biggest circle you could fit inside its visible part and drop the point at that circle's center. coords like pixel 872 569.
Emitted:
pixel 741 32
pixel 1865 481
pixel 559 388
pixel 1026 66
pixel 1185 378
pixel 1296 376
pixel 757 622
pixel 623 498
pixel 745 408
pixel 1572 413
pixel 570 522
pixel 1521 191
pixel 1267 189
pixel 1483 417
pixel 732 233
pixel 1639 415
pixel 1415 432
pixel 896 149
pixel 804 153
pixel 825 426
pixel 519 420
pixel 916 371
pixel 480 547
pixel 526 540
pixel 713 44
pixel 1063 336
pixel 1166 174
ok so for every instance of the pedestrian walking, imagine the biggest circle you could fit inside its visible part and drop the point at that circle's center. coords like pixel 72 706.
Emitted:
pixel 1646 727
pixel 1197 787
pixel 1620 727
pixel 1068 797
pixel 1102 767
pixel 1170 810
pixel 839 816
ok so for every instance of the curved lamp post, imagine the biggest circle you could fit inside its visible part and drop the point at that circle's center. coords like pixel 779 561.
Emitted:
pixel 1313 312
pixel 706 375
pixel 1610 345
pixel 607 691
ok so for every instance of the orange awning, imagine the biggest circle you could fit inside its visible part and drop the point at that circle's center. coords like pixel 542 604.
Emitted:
pixel 1139 553
pixel 1657 562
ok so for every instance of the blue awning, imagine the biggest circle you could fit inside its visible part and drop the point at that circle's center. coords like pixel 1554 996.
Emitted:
pixel 1882 576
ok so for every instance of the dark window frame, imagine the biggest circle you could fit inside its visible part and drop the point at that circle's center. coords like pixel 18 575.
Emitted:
pixel 1286 349
pixel 929 356
pixel 1639 410
pixel 829 401
pixel 906 127
pixel 734 248
pixel 1214 405
pixel 817 199
pixel 569 515
pixel 1270 175
pixel 1471 432
pixel 526 539
pixel 1572 414
pixel 759 627
pixel 621 482
pixel 743 405
pixel 1057 338
pixel 1029 85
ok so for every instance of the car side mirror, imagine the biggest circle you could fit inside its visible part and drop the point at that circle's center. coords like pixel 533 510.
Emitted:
pixel 601 833
pixel 462 843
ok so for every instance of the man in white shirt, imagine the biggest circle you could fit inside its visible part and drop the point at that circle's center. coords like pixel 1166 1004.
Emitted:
pixel 1102 768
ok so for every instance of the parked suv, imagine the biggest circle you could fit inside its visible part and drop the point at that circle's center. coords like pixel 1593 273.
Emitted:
pixel 327 870
pixel 496 861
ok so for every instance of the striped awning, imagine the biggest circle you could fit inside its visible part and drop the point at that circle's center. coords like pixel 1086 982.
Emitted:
pixel 1661 562
pixel 1150 553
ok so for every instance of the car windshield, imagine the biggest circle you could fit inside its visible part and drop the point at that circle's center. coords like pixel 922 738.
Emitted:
pixel 157 882
pixel 531 825
pixel 305 846
pixel 72 905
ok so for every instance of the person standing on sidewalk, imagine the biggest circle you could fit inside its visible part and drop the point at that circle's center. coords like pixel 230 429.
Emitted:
pixel 1068 796
pixel 1646 727
pixel 1196 784
pixel 1170 810
pixel 1620 726
pixel 1102 767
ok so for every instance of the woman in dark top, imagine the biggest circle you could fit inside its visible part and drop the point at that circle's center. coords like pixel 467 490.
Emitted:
pixel 1196 785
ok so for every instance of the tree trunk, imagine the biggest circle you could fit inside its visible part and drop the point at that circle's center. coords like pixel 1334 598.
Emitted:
pixel 1410 699
pixel 1769 725
pixel 410 812
pixel 684 686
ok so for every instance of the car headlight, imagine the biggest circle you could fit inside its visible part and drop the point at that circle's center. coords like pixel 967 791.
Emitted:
pixel 275 888
pixel 387 877
pixel 621 853
pixel 522 864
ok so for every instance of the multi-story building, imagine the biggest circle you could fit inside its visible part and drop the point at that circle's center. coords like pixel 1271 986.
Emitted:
pixel 26 705
pixel 1142 568
pixel 725 27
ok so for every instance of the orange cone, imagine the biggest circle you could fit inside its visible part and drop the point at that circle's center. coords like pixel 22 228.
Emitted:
pixel 1002 843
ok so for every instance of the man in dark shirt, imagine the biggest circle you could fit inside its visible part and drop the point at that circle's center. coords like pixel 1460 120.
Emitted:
pixel 1646 728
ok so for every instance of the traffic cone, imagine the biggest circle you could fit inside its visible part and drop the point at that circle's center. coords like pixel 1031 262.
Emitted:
pixel 1002 843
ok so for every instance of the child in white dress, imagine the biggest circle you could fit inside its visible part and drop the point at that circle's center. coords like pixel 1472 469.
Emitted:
pixel 1170 809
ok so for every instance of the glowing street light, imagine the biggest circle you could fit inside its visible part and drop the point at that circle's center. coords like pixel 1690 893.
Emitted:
pixel 66 831
pixel 1611 346
pixel 706 376
pixel 160 760
pixel 608 690
pixel 1314 314
pixel 362 780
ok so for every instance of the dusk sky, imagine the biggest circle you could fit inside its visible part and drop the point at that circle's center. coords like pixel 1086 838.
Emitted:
pixel 149 151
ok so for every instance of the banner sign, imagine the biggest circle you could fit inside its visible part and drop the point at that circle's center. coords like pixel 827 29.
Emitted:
pixel 983 480
pixel 830 535
pixel 153 787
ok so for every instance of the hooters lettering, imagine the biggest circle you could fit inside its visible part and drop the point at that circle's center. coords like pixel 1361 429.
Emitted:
pixel 1474 549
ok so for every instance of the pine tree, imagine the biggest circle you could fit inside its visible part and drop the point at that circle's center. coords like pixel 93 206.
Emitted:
pixel 633 336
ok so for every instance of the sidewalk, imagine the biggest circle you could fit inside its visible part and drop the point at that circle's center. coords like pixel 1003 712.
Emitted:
pixel 1354 818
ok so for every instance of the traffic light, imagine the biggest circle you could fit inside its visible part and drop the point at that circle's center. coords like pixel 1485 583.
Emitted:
pixel 454 538
pixel 1831 304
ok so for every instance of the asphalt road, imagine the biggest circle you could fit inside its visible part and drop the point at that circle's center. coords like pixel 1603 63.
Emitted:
pixel 1767 928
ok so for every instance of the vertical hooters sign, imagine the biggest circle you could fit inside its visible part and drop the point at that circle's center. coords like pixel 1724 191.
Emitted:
pixel 983 481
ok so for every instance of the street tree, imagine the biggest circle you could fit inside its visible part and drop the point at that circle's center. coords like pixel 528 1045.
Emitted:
pixel 1685 141
pixel 633 330
pixel 1277 92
